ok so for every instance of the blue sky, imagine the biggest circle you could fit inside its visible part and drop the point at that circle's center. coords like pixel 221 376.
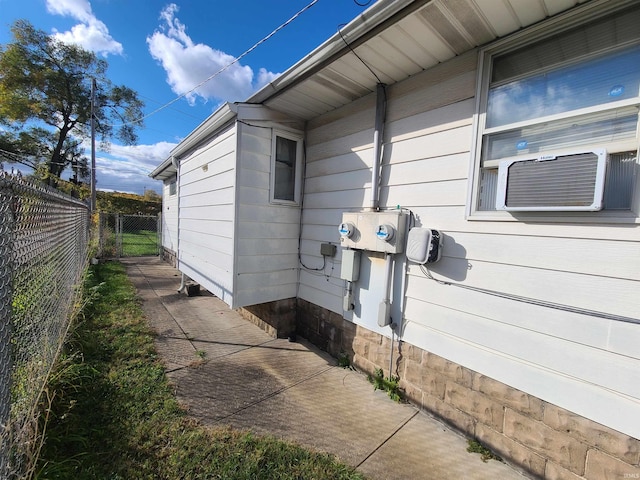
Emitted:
pixel 163 49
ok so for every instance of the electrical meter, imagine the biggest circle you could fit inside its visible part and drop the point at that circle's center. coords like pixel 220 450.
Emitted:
pixel 346 229
pixel 385 232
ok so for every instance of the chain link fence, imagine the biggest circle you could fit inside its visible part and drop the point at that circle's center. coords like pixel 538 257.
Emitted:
pixel 129 235
pixel 44 237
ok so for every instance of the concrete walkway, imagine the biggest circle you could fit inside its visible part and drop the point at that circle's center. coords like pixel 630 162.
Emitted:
pixel 227 371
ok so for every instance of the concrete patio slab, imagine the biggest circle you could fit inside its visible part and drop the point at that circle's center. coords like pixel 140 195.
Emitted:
pixel 227 371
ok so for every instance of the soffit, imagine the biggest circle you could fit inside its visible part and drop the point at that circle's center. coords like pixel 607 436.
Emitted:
pixel 436 32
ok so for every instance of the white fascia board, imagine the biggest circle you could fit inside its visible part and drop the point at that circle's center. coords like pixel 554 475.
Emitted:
pixel 377 14
pixel 164 170
pixel 257 112
pixel 216 120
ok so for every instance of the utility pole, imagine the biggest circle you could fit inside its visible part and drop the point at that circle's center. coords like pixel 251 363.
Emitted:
pixel 93 146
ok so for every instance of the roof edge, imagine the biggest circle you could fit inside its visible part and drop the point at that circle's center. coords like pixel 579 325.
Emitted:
pixel 221 116
pixel 157 172
pixel 360 26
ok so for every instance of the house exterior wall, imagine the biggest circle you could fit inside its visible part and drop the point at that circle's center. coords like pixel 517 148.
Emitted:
pixel 533 376
pixel 169 223
pixel 573 361
pixel 267 234
pixel 207 179
pixel 538 437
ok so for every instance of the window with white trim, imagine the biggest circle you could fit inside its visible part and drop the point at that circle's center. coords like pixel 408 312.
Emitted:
pixel 173 186
pixel 286 159
pixel 572 89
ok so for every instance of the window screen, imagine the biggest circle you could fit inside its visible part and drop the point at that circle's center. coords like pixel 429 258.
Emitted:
pixel 285 169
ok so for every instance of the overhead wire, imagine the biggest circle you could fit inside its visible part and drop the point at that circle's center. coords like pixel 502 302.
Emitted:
pixel 227 66
pixel 357 56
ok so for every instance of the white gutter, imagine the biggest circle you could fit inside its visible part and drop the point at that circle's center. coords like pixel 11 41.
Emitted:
pixel 376 15
pixel 371 18
pixel 216 120
pixel 161 168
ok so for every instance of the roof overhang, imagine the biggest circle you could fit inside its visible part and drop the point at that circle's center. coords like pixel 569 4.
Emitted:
pixel 165 170
pixel 389 42
pixel 392 41
pixel 218 119
pixel 215 121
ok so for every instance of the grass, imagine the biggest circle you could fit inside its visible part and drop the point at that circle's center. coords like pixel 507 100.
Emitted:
pixel 140 243
pixel 112 413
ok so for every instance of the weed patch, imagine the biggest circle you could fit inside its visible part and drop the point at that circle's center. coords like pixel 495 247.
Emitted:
pixel 485 453
pixel 388 384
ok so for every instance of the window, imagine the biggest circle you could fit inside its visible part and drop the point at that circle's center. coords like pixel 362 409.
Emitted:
pixel 172 186
pixel 576 89
pixel 286 168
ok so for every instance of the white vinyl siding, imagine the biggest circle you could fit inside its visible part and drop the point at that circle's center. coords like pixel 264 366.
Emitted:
pixel 233 240
pixel 169 217
pixel 266 234
pixel 586 364
pixel 207 203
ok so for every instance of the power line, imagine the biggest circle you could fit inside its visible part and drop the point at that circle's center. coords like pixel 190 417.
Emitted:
pixel 211 77
pixel 173 109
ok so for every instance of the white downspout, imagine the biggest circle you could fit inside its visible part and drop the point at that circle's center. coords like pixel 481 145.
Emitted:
pixel 384 311
pixel 378 132
pixel 183 278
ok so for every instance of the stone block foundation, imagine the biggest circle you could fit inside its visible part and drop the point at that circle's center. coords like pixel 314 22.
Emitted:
pixel 170 257
pixel 277 318
pixel 541 439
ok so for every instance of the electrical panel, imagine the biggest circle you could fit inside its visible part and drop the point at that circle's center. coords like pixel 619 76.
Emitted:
pixel 374 231
pixel 350 269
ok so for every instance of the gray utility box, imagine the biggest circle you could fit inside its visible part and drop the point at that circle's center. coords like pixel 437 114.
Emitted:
pixel 350 269
pixel 374 231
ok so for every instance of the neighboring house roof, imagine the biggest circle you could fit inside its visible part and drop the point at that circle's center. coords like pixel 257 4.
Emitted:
pixel 395 39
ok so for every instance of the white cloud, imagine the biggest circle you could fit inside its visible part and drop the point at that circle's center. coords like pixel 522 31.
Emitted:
pixel 126 168
pixel 265 77
pixel 145 157
pixel 123 176
pixel 188 63
pixel 91 34
pixel 78 9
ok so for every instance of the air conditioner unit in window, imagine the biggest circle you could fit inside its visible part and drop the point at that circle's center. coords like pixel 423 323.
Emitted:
pixel 567 182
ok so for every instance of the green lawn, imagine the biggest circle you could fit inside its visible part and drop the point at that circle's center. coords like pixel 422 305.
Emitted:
pixel 139 243
pixel 113 415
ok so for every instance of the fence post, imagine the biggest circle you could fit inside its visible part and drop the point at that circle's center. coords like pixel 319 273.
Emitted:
pixel 100 234
pixel 6 243
pixel 118 235
pixel 159 240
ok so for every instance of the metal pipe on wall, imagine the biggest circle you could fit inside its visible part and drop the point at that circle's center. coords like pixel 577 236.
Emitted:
pixel 378 133
pixel 384 311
